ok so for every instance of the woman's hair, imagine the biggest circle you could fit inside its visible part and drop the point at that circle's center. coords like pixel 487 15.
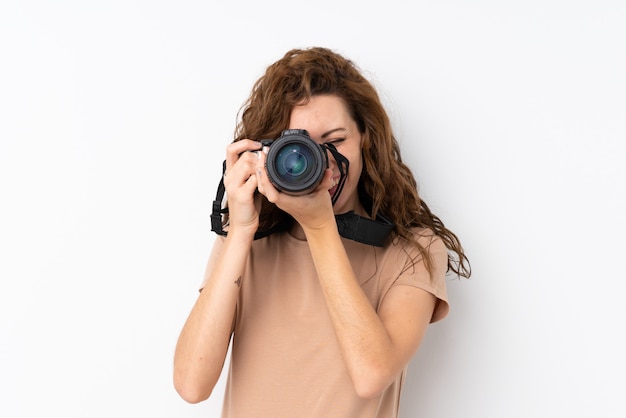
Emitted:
pixel 385 179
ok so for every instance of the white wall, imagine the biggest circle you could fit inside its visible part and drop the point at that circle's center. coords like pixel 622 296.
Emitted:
pixel 113 121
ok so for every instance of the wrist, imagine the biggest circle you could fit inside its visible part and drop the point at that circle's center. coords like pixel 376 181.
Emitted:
pixel 241 233
pixel 322 231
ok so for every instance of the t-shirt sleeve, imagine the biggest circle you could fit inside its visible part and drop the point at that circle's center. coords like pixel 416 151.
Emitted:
pixel 415 274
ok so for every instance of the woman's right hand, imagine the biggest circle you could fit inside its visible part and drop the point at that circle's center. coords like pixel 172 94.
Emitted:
pixel 240 183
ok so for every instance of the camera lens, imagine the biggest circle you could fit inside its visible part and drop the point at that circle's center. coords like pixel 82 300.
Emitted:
pixel 292 161
pixel 295 163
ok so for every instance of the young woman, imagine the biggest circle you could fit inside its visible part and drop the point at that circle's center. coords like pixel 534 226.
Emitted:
pixel 326 293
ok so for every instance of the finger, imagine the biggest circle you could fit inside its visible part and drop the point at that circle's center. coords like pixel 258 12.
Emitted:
pixel 251 184
pixel 242 169
pixel 327 181
pixel 236 149
pixel 241 182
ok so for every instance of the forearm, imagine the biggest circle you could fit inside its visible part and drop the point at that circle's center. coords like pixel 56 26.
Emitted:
pixel 203 341
pixel 365 343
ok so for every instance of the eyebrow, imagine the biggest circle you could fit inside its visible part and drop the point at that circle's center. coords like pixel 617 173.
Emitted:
pixel 332 131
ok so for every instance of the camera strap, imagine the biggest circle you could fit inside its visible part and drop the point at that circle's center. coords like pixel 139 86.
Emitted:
pixel 343 164
pixel 364 230
pixel 350 225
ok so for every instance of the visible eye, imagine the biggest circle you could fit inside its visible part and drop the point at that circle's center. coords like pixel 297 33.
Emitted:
pixel 335 142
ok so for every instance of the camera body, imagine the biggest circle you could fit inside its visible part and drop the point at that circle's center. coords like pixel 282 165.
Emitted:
pixel 295 163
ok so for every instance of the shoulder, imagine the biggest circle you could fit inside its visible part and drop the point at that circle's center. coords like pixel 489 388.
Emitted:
pixel 431 243
pixel 426 275
pixel 424 243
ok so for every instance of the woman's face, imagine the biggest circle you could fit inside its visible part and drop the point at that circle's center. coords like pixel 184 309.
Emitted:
pixel 327 120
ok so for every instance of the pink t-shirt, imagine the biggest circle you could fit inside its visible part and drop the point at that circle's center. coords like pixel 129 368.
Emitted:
pixel 285 359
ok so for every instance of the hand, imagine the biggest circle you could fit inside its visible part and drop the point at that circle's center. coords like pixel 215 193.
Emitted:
pixel 240 182
pixel 311 211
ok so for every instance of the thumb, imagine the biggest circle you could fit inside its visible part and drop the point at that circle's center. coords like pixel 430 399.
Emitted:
pixel 327 182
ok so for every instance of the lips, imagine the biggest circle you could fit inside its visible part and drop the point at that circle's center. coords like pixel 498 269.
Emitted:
pixel 333 187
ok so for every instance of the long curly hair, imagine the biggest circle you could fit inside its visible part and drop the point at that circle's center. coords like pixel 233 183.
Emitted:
pixel 385 180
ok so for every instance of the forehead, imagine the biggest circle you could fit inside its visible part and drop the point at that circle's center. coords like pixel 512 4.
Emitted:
pixel 321 110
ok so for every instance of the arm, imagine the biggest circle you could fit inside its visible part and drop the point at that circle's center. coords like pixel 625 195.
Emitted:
pixel 375 346
pixel 203 342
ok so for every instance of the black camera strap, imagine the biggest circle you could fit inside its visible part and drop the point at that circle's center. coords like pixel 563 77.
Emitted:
pixel 217 210
pixel 350 225
pixel 364 230
pixel 343 164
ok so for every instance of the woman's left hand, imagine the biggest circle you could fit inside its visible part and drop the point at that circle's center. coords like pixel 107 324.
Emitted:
pixel 312 211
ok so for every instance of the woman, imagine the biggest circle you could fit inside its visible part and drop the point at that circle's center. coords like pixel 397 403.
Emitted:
pixel 323 320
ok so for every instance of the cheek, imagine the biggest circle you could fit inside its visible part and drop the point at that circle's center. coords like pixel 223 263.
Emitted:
pixel 355 159
pixel 356 166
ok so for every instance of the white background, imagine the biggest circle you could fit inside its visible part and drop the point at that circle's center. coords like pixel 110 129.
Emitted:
pixel 113 121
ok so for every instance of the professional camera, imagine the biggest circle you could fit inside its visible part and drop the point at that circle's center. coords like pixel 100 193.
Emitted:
pixel 295 163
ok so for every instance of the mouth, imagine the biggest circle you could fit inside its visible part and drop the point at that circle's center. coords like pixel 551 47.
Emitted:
pixel 333 188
